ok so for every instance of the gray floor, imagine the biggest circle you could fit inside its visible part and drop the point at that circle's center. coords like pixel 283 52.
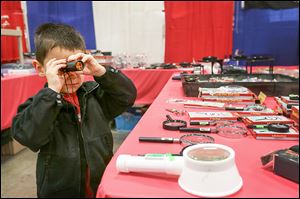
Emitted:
pixel 18 171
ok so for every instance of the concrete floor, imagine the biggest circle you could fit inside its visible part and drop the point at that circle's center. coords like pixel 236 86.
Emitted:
pixel 18 171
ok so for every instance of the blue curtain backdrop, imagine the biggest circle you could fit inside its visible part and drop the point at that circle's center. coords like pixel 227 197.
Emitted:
pixel 268 32
pixel 78 14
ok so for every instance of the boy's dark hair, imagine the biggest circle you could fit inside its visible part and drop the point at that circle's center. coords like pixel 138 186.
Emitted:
pixel 50 35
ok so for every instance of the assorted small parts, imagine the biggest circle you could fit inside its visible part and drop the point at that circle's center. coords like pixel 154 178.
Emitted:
pixel 281 128
pixel 294 97
pixel 229 90
pixel 278 131
pixel 295 114
pixel 176 111
pixel 212 115
pixel 267 119
pixel 291 99
pixel 285 104
pixel 229 93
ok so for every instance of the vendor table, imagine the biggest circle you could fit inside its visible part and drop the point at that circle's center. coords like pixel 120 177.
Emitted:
pixel 149 82
pixel 258 181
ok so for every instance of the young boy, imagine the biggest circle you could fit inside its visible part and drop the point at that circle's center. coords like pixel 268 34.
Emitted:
pixel 68 120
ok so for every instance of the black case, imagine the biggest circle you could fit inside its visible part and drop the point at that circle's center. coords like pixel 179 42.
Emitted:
pixel 284 85
pixel 287 166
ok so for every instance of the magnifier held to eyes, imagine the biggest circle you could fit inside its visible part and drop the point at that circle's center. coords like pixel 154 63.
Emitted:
pixel 206 170
pixel 73 66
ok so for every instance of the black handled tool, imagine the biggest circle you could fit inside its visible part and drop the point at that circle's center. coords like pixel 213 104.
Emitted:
pixel 202 123
pixel 234 108
pixel 201 130
pixel 280 128
pixel 159 139
pixel 188 139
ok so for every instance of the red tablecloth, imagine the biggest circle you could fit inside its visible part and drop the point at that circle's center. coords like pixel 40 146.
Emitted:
pixel 16 89
pixel 149 82
pixel 257 181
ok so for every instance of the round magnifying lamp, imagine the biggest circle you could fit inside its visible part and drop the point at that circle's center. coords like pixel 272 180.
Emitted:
pixel 207 170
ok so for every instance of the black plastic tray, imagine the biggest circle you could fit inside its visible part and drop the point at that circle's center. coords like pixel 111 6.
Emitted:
pixel 284 85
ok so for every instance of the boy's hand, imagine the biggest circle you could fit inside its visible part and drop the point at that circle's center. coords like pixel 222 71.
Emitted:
pixel 54 77
pixel 91 65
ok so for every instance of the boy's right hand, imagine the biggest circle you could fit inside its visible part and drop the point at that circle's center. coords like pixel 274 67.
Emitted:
pixel 55 77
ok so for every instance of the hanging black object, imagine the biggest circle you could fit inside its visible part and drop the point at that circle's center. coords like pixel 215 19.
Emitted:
pixel 210 59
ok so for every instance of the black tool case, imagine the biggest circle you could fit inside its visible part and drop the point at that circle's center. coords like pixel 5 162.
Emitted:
pixel 270 84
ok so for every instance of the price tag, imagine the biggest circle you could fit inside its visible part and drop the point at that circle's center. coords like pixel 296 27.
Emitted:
pixel 262 97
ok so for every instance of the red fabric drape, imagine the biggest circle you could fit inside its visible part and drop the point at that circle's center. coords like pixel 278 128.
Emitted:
pixel 198 29
pixel 9 44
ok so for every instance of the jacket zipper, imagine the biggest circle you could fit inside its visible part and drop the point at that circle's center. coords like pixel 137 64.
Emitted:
pixel 80 165
pixel 80 120
pixel 81 134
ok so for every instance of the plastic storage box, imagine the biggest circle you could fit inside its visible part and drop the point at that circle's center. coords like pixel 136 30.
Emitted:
pixel 270 84
pixel 127 121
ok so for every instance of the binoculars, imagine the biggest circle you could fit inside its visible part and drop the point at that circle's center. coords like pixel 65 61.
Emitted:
pixel 73 66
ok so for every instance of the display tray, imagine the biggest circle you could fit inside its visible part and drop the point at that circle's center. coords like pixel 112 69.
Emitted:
pixel 270 84
pixel 265 134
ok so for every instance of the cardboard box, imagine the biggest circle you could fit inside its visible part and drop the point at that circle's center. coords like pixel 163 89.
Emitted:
pixel 11 148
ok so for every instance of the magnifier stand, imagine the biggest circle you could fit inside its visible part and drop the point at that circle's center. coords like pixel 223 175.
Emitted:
pixel 158 163
pixel 206 170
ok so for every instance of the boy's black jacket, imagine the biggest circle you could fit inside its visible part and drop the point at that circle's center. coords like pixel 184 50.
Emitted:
pixel 48 124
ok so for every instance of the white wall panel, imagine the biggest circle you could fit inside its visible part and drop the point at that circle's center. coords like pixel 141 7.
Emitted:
pixel 131 27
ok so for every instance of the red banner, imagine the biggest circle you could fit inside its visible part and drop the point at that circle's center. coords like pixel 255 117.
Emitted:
pixel 11 17
pixel 196 29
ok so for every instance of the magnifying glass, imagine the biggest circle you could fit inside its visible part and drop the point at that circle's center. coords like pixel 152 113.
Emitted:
pixel 188 139
pixel 173 125
pixel 231 129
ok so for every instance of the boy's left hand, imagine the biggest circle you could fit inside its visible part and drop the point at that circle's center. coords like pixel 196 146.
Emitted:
pixel 91 65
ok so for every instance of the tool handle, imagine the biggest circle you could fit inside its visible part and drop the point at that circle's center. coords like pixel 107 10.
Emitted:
pixel 156 139
pixel 234 108
pixel 201 123
pixel 157 164
pixel 202 130
pixel 258 126
pixel 169 118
